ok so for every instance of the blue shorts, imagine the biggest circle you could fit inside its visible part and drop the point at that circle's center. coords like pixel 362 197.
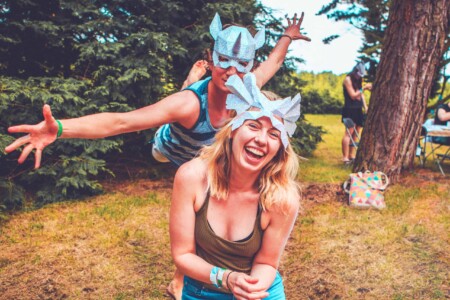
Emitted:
pixel 193 290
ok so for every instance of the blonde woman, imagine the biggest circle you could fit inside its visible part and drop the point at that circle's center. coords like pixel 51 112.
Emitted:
pixel 233 208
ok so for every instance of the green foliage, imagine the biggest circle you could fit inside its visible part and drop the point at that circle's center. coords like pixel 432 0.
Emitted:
pixel 11 195
pixel 306 137
pixel 5 140
pixel 84 57
pixel 368 16
pixel 322 93
pixel 315 103
pixel 371 17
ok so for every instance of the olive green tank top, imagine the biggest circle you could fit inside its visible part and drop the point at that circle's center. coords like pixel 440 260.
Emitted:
pixel 233 255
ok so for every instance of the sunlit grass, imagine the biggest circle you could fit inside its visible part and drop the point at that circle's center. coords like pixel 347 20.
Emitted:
pixel 326 163
pixel 399 252
pixel 345 253
pixel 116 246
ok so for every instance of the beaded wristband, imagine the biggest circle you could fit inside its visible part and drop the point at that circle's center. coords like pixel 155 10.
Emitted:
pixel 213 276
pixel 220 274
pixel 286 35
pixel 60 128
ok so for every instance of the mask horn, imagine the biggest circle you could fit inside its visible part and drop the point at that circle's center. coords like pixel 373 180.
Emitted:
pixel 237 45
pixel 260 38
pixel 216 26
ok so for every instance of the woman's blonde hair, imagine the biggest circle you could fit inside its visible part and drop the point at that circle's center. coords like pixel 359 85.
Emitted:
pixel 277 183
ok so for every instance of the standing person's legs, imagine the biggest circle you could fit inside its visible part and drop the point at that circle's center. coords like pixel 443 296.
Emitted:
pixel 352 150
pixel 346 146
pixel 346 138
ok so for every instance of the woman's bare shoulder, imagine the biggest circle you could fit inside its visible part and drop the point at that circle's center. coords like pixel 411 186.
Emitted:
pixel 190 181
pixel 193 171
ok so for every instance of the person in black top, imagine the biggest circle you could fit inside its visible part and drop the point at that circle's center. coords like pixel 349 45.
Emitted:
pixel 442 117
pixel 442 114
pixel 354 103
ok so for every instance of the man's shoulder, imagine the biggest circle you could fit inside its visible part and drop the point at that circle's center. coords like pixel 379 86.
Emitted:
pixel 199 87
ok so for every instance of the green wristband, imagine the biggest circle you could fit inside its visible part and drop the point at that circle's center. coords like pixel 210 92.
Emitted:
pixel 220 274
pixel 60 128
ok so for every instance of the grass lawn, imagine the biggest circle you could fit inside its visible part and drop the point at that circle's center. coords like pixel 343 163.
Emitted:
pixel 116 246
pixel 326 163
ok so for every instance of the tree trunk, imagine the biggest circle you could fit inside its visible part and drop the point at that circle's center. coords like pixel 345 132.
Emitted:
pixel 413 46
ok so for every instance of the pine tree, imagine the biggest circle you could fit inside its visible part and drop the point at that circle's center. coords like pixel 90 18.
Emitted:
pixel 89 56
pixel 415 40
pixel 371 17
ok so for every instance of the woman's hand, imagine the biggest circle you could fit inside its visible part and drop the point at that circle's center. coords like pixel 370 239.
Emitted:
pixel 38 137
pixel 244 286
pixel 293 29
pixel 368 86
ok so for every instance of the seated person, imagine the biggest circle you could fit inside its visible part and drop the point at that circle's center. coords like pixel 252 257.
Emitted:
pixel 441 118
pixel 442 114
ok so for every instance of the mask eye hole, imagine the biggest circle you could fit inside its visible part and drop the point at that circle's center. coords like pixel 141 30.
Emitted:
pixel 223 58
pixel 243 63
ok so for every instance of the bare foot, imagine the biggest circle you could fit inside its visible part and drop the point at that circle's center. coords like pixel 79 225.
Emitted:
pixel 196 73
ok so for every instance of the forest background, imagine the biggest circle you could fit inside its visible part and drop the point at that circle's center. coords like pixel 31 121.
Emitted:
pixel 87 56
pixel 84 57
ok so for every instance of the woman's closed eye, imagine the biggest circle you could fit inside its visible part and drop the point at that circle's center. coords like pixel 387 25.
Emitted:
pixel 274 133
pixel 223 58
pixel 253 125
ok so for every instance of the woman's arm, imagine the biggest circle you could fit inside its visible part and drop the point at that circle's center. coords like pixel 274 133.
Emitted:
pixel 275 238
pixel 186 187
pixel 108 124
pixel 356 95
pixel 267 69
pixel 104 124
pixel 363 98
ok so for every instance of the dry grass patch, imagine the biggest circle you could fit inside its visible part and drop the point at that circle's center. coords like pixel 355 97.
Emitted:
pixel 337 252
pixel 114 246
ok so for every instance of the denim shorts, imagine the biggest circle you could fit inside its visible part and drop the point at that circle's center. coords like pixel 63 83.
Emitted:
pixel 194 289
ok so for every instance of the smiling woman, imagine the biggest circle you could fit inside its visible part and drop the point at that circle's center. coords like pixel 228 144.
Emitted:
pixel 255 144
pixel 237 200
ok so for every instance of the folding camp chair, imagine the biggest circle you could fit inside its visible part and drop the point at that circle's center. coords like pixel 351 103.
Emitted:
pixel 349 125
pixel 435 136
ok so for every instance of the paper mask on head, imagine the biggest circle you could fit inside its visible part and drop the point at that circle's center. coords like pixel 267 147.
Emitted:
pixel 235 46
pixel 360 69
pixel 246 94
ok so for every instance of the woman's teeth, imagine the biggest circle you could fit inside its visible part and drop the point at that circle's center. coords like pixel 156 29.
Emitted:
pixel 255 152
